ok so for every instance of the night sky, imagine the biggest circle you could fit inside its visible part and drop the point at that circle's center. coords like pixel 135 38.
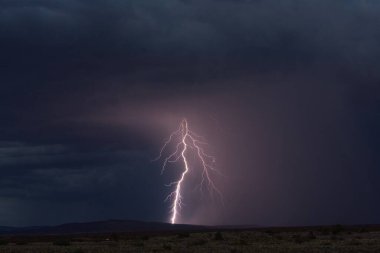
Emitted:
pixel 287 94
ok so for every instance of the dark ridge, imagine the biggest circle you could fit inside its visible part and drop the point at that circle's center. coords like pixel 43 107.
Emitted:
pixel 109 226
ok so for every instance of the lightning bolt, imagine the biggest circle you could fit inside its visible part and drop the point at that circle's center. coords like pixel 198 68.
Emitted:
pixel 187 141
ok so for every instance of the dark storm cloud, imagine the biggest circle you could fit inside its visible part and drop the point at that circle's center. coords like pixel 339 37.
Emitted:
pixel 79 47
pixel 40 177
pixel 87 87
pixel 140 33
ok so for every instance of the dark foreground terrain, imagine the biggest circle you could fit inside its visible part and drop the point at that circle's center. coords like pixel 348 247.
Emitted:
pixel 306 239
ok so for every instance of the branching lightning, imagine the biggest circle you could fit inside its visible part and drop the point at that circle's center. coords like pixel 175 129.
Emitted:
pixel 187 141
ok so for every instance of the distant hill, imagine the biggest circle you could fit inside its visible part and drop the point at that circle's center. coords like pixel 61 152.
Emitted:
pixel 109 226
pixel 4 229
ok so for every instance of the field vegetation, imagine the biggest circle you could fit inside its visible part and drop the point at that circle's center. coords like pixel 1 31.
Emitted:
pixel 307 240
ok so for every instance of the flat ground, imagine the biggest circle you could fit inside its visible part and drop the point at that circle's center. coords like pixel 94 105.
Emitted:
pixel 317 239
